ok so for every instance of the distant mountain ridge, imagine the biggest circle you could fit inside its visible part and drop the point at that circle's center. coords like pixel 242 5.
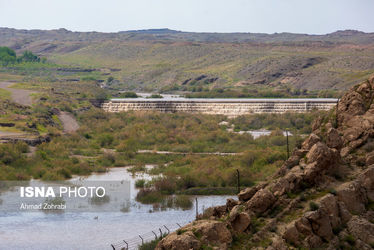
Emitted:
pixel 343 36
pixel 169 60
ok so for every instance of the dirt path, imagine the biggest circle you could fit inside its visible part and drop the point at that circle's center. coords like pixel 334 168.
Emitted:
pixel 68 122
pixel 6 134
pixel 20 96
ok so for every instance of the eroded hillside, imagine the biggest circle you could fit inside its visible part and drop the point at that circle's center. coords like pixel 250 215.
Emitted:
pixel 322 196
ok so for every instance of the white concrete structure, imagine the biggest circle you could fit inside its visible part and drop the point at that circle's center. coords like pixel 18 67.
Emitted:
pixel 228 107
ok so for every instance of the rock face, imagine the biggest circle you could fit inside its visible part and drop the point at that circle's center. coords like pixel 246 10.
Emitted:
pixel 196 234
pixel 322 197
pixel 184 241
pixel 261 201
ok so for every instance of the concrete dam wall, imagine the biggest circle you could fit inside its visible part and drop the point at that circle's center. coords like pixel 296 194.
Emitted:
pixel 228 107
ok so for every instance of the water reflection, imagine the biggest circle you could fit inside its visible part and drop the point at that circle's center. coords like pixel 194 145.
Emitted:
pixel 93 230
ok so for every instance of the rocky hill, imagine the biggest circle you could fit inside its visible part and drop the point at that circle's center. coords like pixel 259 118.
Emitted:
pixel 322 197
pixel 164 59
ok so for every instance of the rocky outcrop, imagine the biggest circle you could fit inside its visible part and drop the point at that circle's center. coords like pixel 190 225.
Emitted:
pixel 185 241
pixel 248 193
pixel 362 229
pixel 239 219
pixel 197 234
pixel 322 196
pixel 261 201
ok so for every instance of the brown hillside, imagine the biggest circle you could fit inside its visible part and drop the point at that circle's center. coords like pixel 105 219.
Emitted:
pixel 165 60
pixel 322 197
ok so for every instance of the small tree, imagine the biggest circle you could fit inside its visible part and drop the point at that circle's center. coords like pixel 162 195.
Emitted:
pixel 7 56
pixel 28 56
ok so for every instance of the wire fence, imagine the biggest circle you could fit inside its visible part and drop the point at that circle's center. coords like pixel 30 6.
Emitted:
pixel 134 243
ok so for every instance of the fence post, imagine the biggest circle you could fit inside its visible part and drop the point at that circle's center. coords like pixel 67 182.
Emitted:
pixel 113 247
pixel 167 229
pixel 127 245
pixel 155 235
pixel 142 240
pixel 336 114
pixel 179 225
pixel 288 147
pixel 160 233
pixel 238 180
pixel 197 208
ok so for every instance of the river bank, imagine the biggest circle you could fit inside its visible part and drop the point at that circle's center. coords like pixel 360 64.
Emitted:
pixel 92 230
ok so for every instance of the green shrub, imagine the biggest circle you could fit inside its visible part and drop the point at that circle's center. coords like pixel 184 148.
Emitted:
pixel 313 206
pixel 166 185
pixel 248 158
pixel 140 183
pixel 155 96
pixel 350 239
pixel 149 245
pixel 128 95
pixel 149 196
pixel 7 56
pixel 183 202
pixel 106 140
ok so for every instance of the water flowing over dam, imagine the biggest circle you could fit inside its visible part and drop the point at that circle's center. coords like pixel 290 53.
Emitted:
pixel 228 107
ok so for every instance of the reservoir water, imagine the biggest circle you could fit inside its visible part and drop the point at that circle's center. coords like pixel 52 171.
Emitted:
pixel 92 230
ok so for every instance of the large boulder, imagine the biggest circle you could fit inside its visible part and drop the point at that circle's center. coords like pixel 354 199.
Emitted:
pixel 333 139
pixel 261 201
pixel 248 193
pixel 353 197
pixel 278 244
pixel 291 234
pixel 241 222
pixel 212 232
pixel 290 182
pixel 309 143
pixel 351 104
pixel 361 229
pixel 174 241
pixel 231 203
pixel 329 206
pixel 366 180
pixel 320 153
pixel 321 160
pixel 320 222
pixel 196 234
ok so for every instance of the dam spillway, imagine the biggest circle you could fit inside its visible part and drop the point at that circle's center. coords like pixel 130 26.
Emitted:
pixel 228 107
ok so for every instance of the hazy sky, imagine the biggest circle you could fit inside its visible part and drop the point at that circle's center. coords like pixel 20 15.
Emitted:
pixel 267 16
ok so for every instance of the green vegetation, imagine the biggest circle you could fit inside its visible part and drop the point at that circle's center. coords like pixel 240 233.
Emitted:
pixel 140 183
pixel 155 96
pixel 313 206
pixel 28 56
pixel 150 245
pixel 128 95
pixel 350 239
pixel 260 92
pixel 299 122
pixel 9 57
pixel 162 200
pixel 113 139
pixel 126 133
